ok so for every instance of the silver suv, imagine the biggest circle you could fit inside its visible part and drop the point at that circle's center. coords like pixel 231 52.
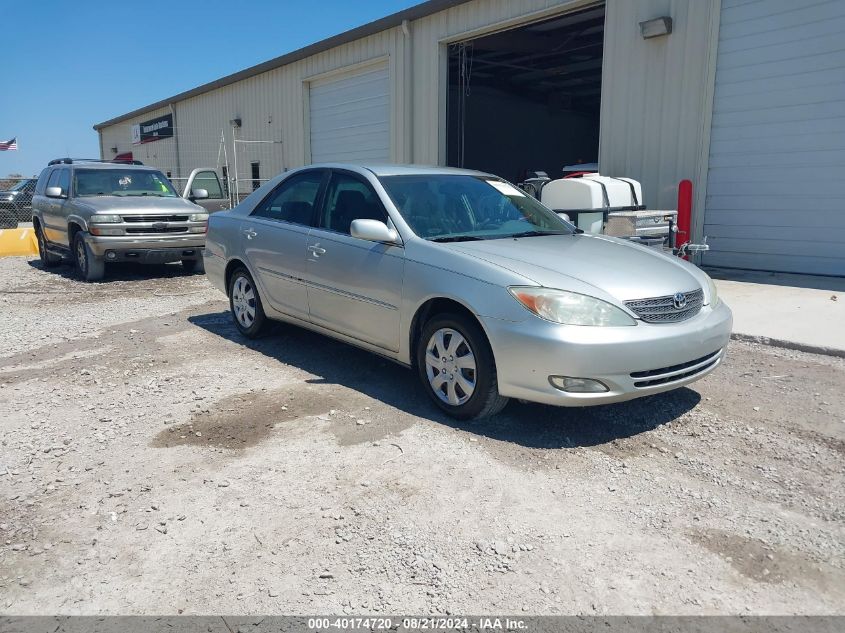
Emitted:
pixel 94 212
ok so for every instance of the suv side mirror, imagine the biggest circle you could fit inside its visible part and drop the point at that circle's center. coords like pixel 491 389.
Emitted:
pixel 54 192
pixel 199 194
pixel 373 231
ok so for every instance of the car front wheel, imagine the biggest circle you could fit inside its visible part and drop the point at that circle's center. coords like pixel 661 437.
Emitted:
pixel 89 266
pixel 457 368
pixel 247 312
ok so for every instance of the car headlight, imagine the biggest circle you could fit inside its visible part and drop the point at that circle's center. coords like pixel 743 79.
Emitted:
pixel 199 217
pixel 570 308
pixel 712 292
pixel 9 198
pixel 104 218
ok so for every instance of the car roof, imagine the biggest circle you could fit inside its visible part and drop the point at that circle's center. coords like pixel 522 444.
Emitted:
pixel 388 169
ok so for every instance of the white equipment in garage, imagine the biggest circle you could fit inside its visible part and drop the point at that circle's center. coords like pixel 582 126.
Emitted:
pixel 604 205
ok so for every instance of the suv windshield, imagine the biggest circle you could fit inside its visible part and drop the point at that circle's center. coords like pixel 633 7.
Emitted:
pixel 121 182
pixel 445 207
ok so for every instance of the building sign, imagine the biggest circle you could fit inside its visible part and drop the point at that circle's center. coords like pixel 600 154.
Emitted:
pixel 153 130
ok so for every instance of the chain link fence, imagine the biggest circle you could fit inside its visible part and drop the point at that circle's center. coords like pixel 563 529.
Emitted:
pixel 16 200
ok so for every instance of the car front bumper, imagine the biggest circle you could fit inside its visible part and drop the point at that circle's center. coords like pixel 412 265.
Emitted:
pixel 147 249
pixel 660 357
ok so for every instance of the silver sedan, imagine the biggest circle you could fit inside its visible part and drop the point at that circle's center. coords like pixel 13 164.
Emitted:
pixel 458 274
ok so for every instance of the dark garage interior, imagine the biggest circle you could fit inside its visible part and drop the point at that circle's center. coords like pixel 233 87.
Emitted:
pixel 527 98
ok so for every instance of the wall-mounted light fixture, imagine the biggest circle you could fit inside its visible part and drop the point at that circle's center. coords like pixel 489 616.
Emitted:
pixel 656 27
pixel 235 122
pixel 113 150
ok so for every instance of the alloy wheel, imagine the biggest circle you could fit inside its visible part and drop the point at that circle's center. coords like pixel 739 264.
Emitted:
pixel 243 301
pixel 81 256
pixel 450 366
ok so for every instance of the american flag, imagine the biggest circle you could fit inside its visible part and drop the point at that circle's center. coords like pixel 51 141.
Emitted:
pixel 7 145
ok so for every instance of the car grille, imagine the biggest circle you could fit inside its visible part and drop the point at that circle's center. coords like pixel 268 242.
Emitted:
pixel 155 218
pixel 149 229
pixel 663 310
pixel 665 375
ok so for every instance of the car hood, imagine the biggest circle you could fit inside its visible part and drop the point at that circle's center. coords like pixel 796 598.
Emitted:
pixel 621 269
pixel 137 204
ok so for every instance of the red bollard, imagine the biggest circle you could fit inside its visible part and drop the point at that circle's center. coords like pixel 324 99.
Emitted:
pixel 684 233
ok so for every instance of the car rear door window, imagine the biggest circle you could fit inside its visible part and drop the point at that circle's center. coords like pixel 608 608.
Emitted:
pixel 349 198
pixel 293 200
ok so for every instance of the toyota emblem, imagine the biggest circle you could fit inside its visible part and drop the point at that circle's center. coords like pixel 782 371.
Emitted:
pixel 679 300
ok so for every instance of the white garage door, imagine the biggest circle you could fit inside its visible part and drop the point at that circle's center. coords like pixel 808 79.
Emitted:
pixel 776 184
pixel 350 117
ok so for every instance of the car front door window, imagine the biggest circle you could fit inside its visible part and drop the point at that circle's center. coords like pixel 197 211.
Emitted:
pixel 349 198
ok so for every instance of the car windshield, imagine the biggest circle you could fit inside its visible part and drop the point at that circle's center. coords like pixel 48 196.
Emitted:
pixel 121 182
pixel 453 208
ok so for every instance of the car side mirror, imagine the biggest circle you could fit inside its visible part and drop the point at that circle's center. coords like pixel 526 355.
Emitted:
pixel 199 194
pixel 373 231
pixel 54 192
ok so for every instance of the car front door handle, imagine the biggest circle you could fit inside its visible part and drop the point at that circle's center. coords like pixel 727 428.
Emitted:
pixel 317 250
pixel 250 233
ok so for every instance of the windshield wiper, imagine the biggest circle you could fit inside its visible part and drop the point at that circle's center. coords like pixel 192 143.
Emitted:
pixel 457 238
pixel 537 233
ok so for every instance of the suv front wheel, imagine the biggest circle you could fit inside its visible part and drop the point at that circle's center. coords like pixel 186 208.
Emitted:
pixel 89 267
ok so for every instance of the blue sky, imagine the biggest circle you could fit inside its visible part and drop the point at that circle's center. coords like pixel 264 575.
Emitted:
pixel 70 65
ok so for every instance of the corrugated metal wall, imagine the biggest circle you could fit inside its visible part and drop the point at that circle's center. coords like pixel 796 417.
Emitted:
pixel 656 96
pixel 272 105
pixel 654 93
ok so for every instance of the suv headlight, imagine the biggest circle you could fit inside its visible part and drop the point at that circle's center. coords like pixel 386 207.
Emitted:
pixel 199 217
pixel 570 308
pixel 103 218
pixel 712 292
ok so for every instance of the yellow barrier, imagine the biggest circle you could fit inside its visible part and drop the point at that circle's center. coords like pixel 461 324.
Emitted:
pixel 18 242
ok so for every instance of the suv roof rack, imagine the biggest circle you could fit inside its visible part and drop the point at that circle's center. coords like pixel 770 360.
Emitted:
pixel 70 161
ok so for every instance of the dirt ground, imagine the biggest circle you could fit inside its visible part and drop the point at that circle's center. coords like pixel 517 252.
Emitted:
pixel 154 462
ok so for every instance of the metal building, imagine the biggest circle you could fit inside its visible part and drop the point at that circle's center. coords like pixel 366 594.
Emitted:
pixel 744 97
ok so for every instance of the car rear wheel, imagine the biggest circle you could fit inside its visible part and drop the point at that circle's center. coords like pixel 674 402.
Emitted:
pixel 247 312
pixel 89 266
pixel 48 259
pixel 457 369
pixel 193 265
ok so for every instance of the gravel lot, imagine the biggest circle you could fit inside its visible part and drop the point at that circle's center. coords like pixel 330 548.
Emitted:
pixel 153 462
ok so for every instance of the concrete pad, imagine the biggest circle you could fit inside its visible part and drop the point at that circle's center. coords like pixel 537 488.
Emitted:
pixel 17 242
pixel 798 311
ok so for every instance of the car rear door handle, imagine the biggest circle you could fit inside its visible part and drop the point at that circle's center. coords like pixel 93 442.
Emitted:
pixel 250 233
pixel 317 250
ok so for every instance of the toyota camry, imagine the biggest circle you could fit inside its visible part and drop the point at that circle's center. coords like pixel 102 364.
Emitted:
pixel 483 291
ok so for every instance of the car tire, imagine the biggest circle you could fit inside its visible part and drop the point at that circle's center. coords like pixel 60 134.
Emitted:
pixel 464 385
pixel 193 266
pixel 245 304
pixel 48 259
pixel 88 266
